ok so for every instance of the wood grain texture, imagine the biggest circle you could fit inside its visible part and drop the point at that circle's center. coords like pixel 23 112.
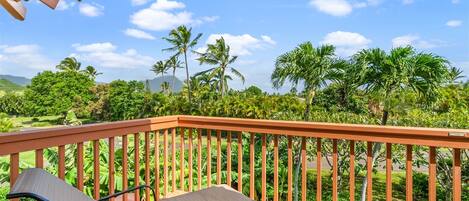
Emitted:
pixel 61 164
pixel 157 164
pixel 209 158
pixel 80 171
pixel 191 166
pixel 432 175
pixel 165 163
pixel 251 167
pixel 173 159
pixel 369 171
pixel 147 164
pixel 388 172
pixel 96 169
pixel 456 175
pixel 39 156
pixel 111 167
pixel 318 169
pixel 303 169
pixel 275 168
pixel 240 162
pixel 408 175
pixel 125 165
pixel 228 159
pixel 137 164
pixel 264 168
pixel 290 170
pixel 335 175
pixel 218 157
pixel 199 159
pixel 352 171
pixel 182 165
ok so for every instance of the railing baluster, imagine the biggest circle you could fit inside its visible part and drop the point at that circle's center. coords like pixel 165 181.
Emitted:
pixel 111 167
pixel 61 164
pixel 303 169
pixel 369 171
pixel 137 164
pixel 251 167
pixel 388 172
pixel 228 160
pixel 173 159
pixel 275 167
pixel 240 162
pixel 408 175
pixel 96 169
pixel 39 158
pixel 199 159
pixel 352 171
pixel 157 164
pixel 290 169
pixel 80 172
pixel 218 157
pixel 335 162
pixel 14 169
pixel 264 168
pixel 124 166
pixel 190 160
pixel 147 164
pixel 457 175
pixel 432 175
pixel 165 163
pixel 181 156
pixel 209 157
pixel 318 170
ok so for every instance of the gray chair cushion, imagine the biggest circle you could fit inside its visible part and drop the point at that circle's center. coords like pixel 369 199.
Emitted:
pixel 39 184
pixel 216 193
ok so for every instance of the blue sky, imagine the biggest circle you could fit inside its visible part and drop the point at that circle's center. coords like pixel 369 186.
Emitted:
pixel 122 38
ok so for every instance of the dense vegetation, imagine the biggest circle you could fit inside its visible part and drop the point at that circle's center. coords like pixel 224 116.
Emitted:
pixel 401 87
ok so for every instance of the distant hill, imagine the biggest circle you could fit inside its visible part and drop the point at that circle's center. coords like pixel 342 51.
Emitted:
pixel 155 83
pixel 22 81
pixel 7 85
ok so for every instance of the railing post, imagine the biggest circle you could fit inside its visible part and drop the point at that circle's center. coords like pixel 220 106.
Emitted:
pixel 251 168
pixel 457 175
pixel 111 167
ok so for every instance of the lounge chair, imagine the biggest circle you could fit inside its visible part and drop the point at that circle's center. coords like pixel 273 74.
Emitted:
pixel 40 185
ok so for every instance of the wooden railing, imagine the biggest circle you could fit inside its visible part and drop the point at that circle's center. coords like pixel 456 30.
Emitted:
pixel 195 128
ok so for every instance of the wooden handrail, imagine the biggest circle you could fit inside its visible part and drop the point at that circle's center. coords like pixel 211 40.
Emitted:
pixel 30 140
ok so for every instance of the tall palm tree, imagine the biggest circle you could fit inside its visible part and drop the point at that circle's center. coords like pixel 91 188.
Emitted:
pixel 402 69
pixel 182 41
pixel 160 67
pixel 307 65
pixel 69 64
pixel 174 63
pixel 218 54
pixel 91 71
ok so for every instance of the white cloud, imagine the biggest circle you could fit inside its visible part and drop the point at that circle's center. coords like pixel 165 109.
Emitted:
pixel 346 43
pixel 65 4
pixel 332 7
pixel 455 1
pixel 139 34
pixel 163 15
pixel 27 55
pixel 90 10
pixel 454 23
pixel 139 2
pixel 268 39
pixel 105 55
pixel 241 45
pixel 415 41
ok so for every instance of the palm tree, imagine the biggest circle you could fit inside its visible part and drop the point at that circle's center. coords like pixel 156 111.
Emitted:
pixel 308 65
pixel 348 75
pixel 174 64
pixel 218 54
pixel 160 67
pixel 182 41
pixel 402 69
pixel 165 87
pixel 91 71
pixel 69 64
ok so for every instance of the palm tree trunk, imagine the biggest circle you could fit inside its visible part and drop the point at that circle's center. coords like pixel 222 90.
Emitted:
pixel 187 78
pixel 174 77
pixel 376 150
pixel 222 84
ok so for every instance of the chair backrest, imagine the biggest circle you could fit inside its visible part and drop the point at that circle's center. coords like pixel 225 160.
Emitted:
pixel 40 185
